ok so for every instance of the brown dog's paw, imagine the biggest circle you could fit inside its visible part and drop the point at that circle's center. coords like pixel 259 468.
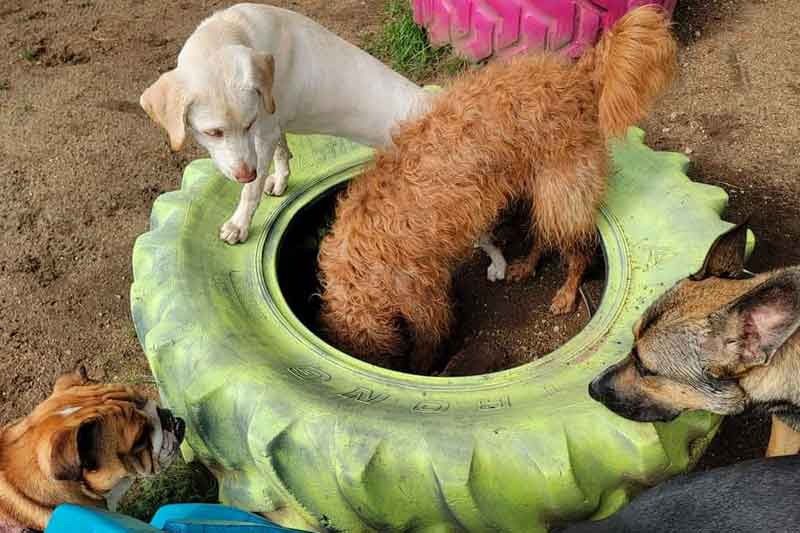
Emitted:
pixel 563 302
pixel 519 271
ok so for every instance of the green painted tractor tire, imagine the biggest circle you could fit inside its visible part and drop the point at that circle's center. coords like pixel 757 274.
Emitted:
pixel 288 422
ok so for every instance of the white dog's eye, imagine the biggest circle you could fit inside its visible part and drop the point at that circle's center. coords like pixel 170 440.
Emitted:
pixel 250 125
pixel 216 133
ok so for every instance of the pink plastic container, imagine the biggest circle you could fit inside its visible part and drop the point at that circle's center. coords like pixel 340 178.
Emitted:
pixel 481 29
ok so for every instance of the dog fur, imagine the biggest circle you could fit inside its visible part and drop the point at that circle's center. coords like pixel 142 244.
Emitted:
pixel 84 445
pixel 747 497
pixel 534 127
pixel 720 341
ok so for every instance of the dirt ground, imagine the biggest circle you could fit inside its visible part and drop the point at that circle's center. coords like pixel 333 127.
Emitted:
pixel 80 163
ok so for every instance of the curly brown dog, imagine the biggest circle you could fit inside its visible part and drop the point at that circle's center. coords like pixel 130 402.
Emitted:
pixel 536 128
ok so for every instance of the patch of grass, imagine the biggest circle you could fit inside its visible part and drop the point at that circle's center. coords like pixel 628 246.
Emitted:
pixel 29 54
pixel 405 47
pixel 138 380
pixel 131 331
pixel 4 85
pixel 180 483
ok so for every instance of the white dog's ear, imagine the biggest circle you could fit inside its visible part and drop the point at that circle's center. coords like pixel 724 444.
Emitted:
pixel 167 103
pixel 265 71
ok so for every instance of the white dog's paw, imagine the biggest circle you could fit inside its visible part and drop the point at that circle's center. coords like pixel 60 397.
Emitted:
pixel 233 232
pixel 496 271
pixel 275 184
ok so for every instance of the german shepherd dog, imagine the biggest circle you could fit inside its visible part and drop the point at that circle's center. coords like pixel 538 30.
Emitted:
pixel 721 340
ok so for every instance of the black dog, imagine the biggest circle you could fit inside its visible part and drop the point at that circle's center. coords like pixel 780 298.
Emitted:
pixel 750 497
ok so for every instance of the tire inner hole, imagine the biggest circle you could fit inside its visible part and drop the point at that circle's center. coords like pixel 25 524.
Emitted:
pixel 499 325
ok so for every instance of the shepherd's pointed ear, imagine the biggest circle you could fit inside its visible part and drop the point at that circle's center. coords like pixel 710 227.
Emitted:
pixel 726 256
pixel 761 321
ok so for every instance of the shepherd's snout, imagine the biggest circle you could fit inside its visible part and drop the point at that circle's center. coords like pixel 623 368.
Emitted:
pixel 598 388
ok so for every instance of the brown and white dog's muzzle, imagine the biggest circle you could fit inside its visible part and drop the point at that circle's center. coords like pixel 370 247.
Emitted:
pixel 168 433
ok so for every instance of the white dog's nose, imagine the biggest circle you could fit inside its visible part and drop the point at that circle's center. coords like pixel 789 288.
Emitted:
pixel 244 174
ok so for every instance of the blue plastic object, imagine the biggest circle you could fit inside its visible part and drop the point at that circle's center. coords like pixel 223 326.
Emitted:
pixel 176 518
pixel 68 518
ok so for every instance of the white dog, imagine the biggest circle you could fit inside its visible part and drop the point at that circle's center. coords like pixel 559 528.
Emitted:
pixel 251 73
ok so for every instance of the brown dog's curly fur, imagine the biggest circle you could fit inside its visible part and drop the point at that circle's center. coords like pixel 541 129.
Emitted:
pixel 534 127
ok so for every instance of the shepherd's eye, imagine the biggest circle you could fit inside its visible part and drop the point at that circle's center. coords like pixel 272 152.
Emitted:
pixel 642 370
pixel 216 133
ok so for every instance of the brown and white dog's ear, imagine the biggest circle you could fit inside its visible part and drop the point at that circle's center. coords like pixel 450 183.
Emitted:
pixel 757 324
pixel 167 103
pixel 72 379
pixel 74 450
pixel 726 256
pixel 265 71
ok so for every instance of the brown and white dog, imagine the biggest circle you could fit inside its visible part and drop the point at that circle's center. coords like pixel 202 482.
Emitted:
pixel 85 445
pixel 535 127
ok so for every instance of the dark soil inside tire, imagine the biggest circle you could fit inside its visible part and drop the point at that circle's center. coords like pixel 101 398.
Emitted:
pixel 498 326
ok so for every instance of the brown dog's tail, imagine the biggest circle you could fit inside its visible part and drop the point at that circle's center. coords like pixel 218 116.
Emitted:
pixel 633 64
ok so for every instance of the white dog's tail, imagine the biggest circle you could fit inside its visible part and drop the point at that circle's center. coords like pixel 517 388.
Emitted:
pixel 633 63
